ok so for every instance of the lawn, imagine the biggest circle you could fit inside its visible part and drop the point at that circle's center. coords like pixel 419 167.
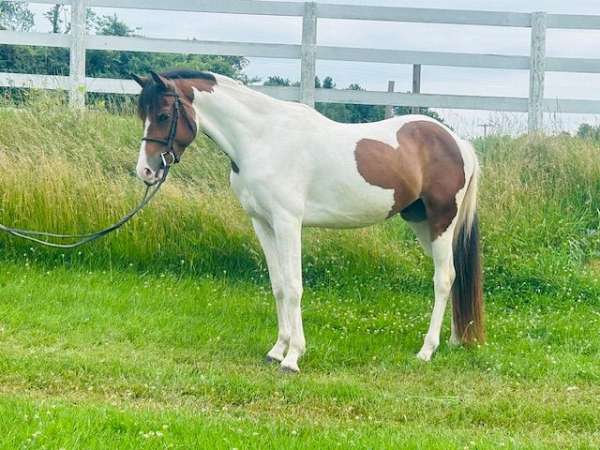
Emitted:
pixel 145 341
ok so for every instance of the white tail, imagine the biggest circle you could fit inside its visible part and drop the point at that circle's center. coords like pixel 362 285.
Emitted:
pixel 468 207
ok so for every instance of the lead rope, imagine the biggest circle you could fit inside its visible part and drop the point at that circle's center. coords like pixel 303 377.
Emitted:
pixel 89 237
pixel 30 235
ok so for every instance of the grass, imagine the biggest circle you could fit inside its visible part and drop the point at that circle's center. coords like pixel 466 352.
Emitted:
pixel 154 337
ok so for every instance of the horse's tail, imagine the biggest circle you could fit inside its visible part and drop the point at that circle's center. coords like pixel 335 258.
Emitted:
pixel 467 292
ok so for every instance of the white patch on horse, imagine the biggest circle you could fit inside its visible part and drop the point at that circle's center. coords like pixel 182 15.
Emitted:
pixel 143 169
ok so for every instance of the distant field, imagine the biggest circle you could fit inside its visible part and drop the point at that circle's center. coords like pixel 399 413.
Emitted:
pixel 154 337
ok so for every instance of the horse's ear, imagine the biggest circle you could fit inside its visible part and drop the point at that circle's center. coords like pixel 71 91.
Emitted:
pixel 142 81
pixel 160 80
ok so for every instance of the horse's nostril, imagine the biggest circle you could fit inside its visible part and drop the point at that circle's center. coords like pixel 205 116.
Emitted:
pixel 147 172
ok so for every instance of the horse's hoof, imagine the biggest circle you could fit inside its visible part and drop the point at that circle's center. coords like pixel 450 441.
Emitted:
pixel 424 355
pixel 288 369
pixel 454 342
pixel 271 360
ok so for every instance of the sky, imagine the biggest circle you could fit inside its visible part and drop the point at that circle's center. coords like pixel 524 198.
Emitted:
pixel 404 36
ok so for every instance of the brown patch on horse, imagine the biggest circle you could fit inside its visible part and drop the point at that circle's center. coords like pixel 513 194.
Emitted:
pixel 202 85
pixel 426 166
pixel 182 80
pixel 382 165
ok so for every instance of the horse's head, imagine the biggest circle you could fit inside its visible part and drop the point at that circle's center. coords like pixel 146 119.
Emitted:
pixel 169 124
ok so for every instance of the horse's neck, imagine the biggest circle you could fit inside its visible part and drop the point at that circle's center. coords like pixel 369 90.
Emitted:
pixel 233 115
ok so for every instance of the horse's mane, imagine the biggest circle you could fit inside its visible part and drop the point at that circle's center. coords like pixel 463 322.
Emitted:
pixel 188 74
pixel 149 96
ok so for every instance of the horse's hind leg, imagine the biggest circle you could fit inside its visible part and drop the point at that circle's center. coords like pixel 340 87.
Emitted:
pixel 454 340
pixel 415 215
pixel 423 233
pixel 441 250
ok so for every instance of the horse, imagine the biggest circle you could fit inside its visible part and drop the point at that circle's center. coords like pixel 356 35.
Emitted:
pixel 292 167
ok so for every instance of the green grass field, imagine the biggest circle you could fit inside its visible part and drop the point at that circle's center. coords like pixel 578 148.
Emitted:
pixel 154 337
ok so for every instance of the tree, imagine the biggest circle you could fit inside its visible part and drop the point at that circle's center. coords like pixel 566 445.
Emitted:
pixel 119 64
pixel 99 63
pixel 44 60
pixel 276 80
pixel 364 113
pixel 348 113
pixel 15 16
pixel 587 131
pixel 112 26
pixel 328 83
pixel 53 16
pixel 404 110
pixel 58 18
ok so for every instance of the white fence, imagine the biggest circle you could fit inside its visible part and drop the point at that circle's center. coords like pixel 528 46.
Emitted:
pixel 308 51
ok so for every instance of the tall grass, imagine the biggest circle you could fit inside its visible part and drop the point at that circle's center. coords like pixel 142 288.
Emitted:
pixel 69 171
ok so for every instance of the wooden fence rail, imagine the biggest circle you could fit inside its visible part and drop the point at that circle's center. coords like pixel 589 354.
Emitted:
pixel 308 52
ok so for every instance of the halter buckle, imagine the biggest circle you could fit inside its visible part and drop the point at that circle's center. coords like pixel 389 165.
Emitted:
pixel 174 158
pixel 164 159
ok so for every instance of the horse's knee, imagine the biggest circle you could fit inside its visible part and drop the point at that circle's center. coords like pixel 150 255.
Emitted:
pixel 293 293
pixel 278 291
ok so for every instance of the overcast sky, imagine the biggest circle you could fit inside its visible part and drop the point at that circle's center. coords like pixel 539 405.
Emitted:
pixel 403 36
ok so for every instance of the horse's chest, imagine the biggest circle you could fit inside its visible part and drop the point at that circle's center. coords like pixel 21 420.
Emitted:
pixel 258 198
pixel 246 197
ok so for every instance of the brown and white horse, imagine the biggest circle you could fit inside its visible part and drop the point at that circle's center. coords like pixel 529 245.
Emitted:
pixel 293 167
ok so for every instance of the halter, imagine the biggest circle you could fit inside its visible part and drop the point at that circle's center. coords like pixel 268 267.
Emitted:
pixel 170 139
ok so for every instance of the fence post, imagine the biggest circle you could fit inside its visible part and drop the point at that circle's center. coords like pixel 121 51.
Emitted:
pixel 416 86
pixel 77 54
pixel 309 54
pixel 389 109
pixel 535 117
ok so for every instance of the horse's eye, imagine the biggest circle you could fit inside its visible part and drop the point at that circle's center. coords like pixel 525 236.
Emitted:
pixel 162 117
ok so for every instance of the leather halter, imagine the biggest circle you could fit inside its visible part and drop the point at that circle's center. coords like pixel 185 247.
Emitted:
pixel 169 141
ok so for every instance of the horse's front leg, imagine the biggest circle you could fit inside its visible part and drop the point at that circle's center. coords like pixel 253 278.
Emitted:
pixel 288 236
pixel 266 237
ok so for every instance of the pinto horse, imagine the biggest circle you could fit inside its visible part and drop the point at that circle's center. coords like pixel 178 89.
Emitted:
pixel 293 167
